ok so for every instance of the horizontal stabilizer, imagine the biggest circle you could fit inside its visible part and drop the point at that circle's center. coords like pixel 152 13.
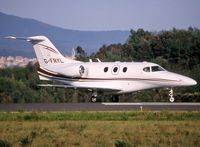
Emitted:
pixel 60 86
pixel 25 38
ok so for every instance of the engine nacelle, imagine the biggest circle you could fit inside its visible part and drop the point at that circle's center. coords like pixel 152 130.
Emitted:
pixel 73 71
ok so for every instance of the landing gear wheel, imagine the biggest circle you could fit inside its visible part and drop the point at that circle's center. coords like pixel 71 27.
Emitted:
pixel 171 99
pixel 93 99
pixel 115 98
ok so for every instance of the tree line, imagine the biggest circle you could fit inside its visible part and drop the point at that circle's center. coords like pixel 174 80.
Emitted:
pixel 175 50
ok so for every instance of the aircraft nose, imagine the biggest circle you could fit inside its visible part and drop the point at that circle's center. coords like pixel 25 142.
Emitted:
pixel 188 81
pixel 192 82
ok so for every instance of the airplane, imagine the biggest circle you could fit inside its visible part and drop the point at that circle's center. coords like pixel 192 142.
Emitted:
pixel 112 78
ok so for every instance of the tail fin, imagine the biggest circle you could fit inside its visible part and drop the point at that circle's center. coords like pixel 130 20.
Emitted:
pixel 46 52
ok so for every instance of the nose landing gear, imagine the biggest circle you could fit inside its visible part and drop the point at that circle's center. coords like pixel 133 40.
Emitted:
pixel 171 99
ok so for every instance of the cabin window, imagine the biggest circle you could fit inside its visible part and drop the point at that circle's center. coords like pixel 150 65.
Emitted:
pixel 156 68
pixel 146 69
pixel 105 69
pixel 124 69
pixel 115 69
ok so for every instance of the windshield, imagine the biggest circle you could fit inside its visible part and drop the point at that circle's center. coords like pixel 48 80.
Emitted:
pixel 156 68
pixel 153 69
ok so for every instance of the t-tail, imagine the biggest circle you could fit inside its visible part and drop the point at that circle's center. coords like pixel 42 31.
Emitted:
pixel 46 52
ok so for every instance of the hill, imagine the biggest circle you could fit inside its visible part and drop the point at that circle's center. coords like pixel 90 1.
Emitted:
pixel 63 39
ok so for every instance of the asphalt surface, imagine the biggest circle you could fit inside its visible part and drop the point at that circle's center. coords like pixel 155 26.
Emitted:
pixel 100 107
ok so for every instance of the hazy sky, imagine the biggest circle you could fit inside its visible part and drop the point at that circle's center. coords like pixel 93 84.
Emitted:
pixel 152 15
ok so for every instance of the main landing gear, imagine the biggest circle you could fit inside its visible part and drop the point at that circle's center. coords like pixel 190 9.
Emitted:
pixel 171 99
pixel 115 98
pixel 94 97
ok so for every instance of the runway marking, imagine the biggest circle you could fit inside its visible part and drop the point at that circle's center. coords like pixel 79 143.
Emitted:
pixel 151 104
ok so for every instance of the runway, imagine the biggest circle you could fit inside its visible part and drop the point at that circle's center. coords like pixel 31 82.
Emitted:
pixel 100 107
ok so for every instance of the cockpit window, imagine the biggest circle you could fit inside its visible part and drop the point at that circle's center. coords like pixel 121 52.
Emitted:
pixel 153 69
pixel 156 68
pixel 146 69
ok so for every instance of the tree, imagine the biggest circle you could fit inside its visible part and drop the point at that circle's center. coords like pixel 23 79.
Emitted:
pixel 81 54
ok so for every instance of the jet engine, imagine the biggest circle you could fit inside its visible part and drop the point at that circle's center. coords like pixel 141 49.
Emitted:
pixel 73 71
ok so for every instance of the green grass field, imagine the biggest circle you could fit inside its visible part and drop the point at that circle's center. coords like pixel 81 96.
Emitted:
pixel 118 129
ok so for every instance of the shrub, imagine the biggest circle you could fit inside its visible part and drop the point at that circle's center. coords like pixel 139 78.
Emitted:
pixel 28 139
pixel 25 141
pixel 119 143
pixel 4 143
pixel 20 110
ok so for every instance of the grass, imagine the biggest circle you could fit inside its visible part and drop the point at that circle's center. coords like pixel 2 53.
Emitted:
pixel 117 129
pixel 104 116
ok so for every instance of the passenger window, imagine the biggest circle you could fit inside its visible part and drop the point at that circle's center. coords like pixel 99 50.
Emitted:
pixel 124 69
pixel 156 68
pixel 146 69
pixel 105 69
pixel 115 69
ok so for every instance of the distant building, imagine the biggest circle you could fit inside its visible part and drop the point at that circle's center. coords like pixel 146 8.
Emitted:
pixel 19 61
pixel 18 58
pixel 2 59
pixel 2 66
pixel 10 59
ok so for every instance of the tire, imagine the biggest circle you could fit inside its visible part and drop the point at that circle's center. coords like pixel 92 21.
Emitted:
pixel 171 99
pixel 93 99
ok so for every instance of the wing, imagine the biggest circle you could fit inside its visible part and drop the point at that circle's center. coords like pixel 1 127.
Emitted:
pixel 80 87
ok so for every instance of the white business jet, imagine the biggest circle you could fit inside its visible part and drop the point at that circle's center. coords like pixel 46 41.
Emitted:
pixel 102 77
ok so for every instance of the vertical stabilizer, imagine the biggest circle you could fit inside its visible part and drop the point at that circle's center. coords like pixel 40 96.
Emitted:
pixel 46 52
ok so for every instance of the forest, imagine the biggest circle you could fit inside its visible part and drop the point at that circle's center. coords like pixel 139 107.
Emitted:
pixel 176 50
